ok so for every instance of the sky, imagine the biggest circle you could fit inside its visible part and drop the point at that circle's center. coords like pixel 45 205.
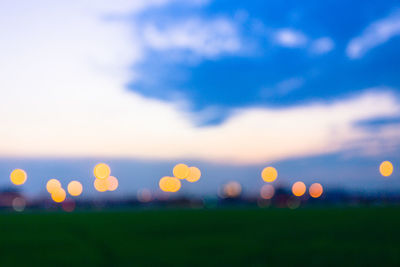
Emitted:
pixel 229 85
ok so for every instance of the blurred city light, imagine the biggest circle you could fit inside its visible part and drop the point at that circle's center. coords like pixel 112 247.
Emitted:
pixel 144 195
pixel 59 195
pixel 68 205
pixel 293 203
pixel 100 185
pixel 315 190
pixel 232 189
pixel 263 203
pixel 298 189
pixel 102 171
pixel 386 168
pixel 267 191
pixel 181 171
pixel 194 174
pixel 52 185
pixel 111 183
pixel 169 184
pixel 18 177
pixel 269 174
pixel 75 188
pixel 18 204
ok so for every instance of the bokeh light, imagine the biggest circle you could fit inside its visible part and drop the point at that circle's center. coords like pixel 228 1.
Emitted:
pixel 263 203
pixel 18 204
pixel 68 206
pixel 386 168
pixel 75 188
pixel 267 191
pixel 298 189
pixel 169 184
pixel 111 183
pixel 52 185
pixel 59 195
pixel 315 190
pixel 181 171
pixel 102 171
pixel 144 195
pixel 18 176
pixel 232 189
pixel 194 174
pixel 100 185
pixel 269 174
pixel 293 203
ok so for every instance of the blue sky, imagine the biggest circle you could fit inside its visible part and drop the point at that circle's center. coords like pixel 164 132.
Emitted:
pixel 264 72
pixel 215 82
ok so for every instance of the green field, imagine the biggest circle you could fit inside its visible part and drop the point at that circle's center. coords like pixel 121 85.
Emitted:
pixel 231 237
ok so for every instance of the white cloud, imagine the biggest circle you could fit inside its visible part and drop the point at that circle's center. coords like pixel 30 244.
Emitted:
pixel 290 38
pixel 322 45
pixel 374 35
pixel 207 38
pixel 63 74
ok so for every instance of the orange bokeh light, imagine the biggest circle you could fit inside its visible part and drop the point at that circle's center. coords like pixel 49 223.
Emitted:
pixel 316 190
pixel 59 195
pixel 298 189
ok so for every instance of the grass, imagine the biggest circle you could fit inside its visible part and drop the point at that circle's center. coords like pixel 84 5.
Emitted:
pixel 231 237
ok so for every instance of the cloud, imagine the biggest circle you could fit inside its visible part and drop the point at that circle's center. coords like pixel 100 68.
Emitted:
pixel 208 38
pixel 296 39
pixel 322 45
pixel 375 34
pixel 283 87
pixel 64 70
pixel 290 38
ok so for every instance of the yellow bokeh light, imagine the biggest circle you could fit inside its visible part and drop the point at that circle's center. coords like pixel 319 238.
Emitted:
pixel 75 188
pixel 59 195
pixel 102 171
pixel 315 190
pixel 169 184
pixel 386 168
pixel 100 185
pixel 298 189
pixel 52 185
pixel 112 183
pixel 269 174
pixel 194 174
pixel 18 177
pixel 267 191
pixel 181 171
